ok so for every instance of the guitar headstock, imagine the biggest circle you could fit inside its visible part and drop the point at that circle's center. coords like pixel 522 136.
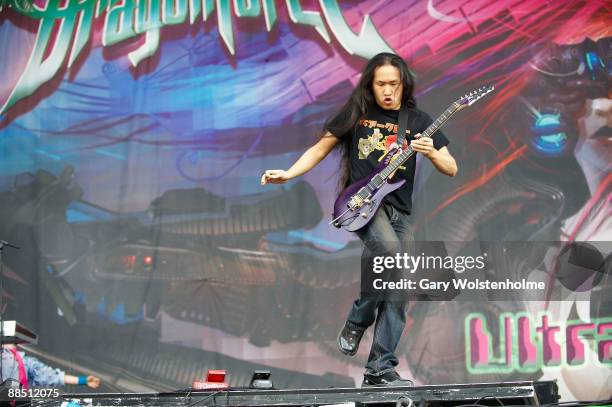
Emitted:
pixel 470 98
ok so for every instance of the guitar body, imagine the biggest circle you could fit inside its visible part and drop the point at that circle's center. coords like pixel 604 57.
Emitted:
pixel 354 219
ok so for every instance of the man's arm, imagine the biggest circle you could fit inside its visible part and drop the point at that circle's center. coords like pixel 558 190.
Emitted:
pixel 305 163
pixel 41 375
pixel 91 381
pixel 441 159
pixel 444 161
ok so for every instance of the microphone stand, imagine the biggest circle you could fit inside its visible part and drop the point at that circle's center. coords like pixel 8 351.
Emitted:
pixel 2 244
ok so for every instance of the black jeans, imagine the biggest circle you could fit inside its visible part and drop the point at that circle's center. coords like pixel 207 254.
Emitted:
pixel 389 232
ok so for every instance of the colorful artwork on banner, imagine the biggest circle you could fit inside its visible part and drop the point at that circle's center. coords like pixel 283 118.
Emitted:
pixel 133 135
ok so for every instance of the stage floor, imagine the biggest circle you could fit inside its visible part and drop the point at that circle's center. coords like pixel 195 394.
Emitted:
pixel 493 394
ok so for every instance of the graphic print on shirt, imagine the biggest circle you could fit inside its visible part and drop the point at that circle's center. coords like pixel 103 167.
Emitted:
pixel 375 140
pixel 367 145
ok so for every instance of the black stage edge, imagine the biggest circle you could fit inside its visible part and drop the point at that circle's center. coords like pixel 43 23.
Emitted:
pixel 492 394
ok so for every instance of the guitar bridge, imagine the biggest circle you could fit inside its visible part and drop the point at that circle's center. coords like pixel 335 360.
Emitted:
pixel 357 201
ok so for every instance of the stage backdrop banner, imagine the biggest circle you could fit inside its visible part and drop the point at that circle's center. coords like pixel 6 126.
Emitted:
pixel 133 136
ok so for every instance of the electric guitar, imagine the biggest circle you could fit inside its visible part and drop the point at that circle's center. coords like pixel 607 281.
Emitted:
pixel 358 203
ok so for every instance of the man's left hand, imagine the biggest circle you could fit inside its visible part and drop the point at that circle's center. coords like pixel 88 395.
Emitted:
pixel 423 145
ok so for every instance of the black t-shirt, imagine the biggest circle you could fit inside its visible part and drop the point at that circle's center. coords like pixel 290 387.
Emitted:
pixel 372 139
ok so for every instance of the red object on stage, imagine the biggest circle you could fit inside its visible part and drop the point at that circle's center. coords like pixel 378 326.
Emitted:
pixel 147 260
pixel 217 376
pixel 215 379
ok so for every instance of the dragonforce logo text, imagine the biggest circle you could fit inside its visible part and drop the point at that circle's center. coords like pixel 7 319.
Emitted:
pixel 125 19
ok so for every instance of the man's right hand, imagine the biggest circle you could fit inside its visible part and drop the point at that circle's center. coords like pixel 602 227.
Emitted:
pixel 274 177
pixel 93 382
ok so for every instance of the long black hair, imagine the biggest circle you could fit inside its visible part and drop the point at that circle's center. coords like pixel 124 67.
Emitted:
pixel 361 100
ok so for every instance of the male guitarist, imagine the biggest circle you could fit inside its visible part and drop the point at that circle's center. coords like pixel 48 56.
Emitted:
pixel 365 128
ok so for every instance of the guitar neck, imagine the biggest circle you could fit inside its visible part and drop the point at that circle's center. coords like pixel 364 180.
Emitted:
pixel 406 154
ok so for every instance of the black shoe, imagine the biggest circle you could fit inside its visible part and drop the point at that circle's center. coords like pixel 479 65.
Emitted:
pixel 388 379
pixel 349 338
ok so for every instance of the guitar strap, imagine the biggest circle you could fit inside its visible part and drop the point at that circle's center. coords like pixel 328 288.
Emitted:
pixel 402 124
